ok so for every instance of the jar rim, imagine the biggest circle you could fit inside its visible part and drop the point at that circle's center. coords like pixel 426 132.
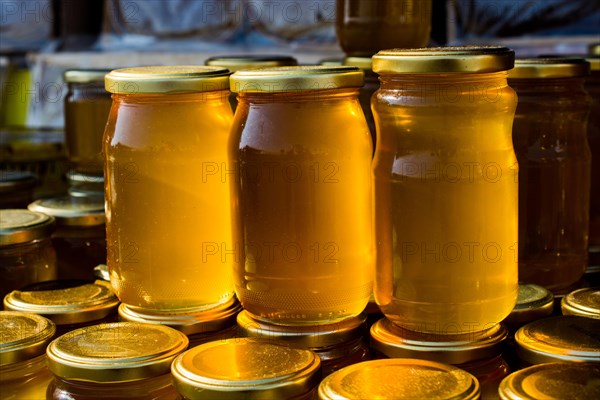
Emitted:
pixel 24 336
pixel 22 226
pixel 85 75
pixel 72 211
pixel 549 68
pixel 236 62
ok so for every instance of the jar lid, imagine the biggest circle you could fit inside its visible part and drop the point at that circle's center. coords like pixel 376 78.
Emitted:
pixel 22 226
pixel 236 62
pixel 245 368
pixel 437 60
pixel 23 336
pixel 582 302
pixel 533 302
pixel 77 177
pixel 331 62
pixel 293 79
pixel 116 352
pixel 308 337
pixel 167 79
pixel 211 320
pixel 72 211
pixel 552 381
pixel 549 67
pixel 399 378
pixel 364 63
pixel 594 63
pixel 11 181
pixel 594 49
pixel 85 75
pixel 566 338
pixel 397 342
pixel 72 305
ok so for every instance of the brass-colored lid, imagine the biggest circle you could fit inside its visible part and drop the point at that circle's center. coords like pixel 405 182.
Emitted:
pixel 85 75
pixel 74 305
pixel 293 79
pixel 566 338
pixel 583 302
pixel 331 62
pixel 397 342
pixel 77 177
pixel 594 63
pixel 116 352
pixel 23 336
pixel 399 378
pixel 364 63
pixel 237 62
pixel 212 320
pixel 549 67
pixel 167 79
pixel 594 49
pixel 245 368
pixel 22 226
pixel 553 381
pixel 440 60
pixel 533 302
pixel 72 211
pixel 11 181
pixel 308 337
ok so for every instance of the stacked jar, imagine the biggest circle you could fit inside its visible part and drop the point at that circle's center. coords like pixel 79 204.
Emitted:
pixel 592 86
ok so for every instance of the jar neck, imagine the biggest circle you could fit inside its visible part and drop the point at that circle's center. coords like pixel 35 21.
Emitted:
pixel 413 81
pixel 301 96
pixel 163 98
pixel 22 370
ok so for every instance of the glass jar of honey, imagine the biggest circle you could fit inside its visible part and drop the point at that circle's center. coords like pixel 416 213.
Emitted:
pixel 365 26
pixel 87 105
pixel 171 220
pixel 121 360
pixel 23 370
pixel 16 188
pixel 445 188
pixel 305 194
pixel 549 135
pixel 592 86
pixel 583 302
pixel 80 235
pixel 26 252
pixel 246 369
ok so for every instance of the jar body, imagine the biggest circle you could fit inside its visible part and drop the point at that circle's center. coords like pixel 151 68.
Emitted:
pixel 364 26
pixel 87 106
pixel 305 205
pixel 592 86
pixel 78 250
pixel 171 224
pixel 445 201
pixel 25 380
pixel 549 136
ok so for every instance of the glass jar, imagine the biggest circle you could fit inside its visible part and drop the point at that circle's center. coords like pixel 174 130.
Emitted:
pixel 445 192
pixel 553 381
pixel 68 306
pixel 400 379
pixel 171 222
pixel 121 360
pixel 16 188
pixel 479 353
pixel 583 302
pixel 337 345
pixel 366 91
pixel 26 252
pixel 246 369
pixel 80 235
pixel 592 86
pixel 534 302
pixel 305 195
pixel 87 105
pixel 563 338
pixel 549 135
pixel 23 370
pixel 364 27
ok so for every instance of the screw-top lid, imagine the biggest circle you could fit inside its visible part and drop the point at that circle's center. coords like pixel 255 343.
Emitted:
pixel 22 226
pixel 583 302
pixel 549 67
pixel 364 63
pixel 399 378
pixel 533 302
pixel 11 181
pixel 116 352
pixel 245 368
pixel 236 62
pixel 23 336
pixel 72 211
pixel 85 75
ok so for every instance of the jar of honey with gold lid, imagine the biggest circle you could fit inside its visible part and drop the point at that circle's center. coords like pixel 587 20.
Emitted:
pixel 171 219
pixel 592 86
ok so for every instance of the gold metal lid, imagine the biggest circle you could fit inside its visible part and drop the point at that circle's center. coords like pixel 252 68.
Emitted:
pixel 397 342
pixel 293 79
pixel 245 368
pixel 364 63
pixel 553 381
pixel 583 302
pixel 331 62
pixel 549 67
pixel 72 211
pixel 566 338
pixel 23 336
pixel 11 181
pixel 399 378
pixel 594 63
pixel 594 49
pixel 439 60
pixel 167 79
pixel 533 302
pixel 85 75
pixel 212 320
pixel 116 352
pixel 22 226
pixel 73 305
pixel 307 337
pixel 237 62
pixel 76 177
